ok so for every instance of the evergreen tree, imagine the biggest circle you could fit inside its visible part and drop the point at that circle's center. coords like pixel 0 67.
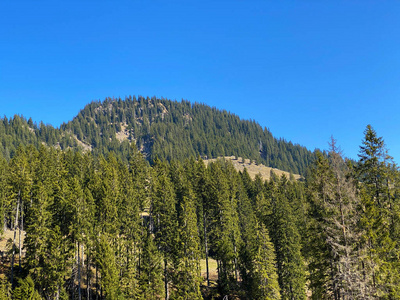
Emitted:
pixel 5 289
pixel 3 192
pixel 224 227
pixel 138 169
pixel 150 269
pixel 80 225
pixel 257 254
pixel 129 215
pixel 20 182
pixel 37 236
pixel 54 266
pixel 265 277
pixel 373 172
pixel 106 260
pixel 164 218
pixel 26 290
pixel 107 195
pixel 187 258
pixel 290 264
pixel 336 253
pixel 200 182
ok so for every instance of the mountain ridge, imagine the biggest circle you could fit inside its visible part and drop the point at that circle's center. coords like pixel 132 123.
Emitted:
pixel 160 128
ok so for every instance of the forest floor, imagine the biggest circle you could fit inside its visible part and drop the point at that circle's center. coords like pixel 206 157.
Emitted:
pixel 8 237
pixel 212 269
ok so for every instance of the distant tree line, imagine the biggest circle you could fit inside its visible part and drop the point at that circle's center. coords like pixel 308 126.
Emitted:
pixel 166 129
pixel 98 227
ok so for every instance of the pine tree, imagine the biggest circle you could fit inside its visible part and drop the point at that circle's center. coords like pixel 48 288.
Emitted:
pixel 224 227
pixel 201 182
pixel 335 250
pixel 54 265
pixel 150 269
pixel 107 195
pixel 286 239
pixel 265 277
pixel 139 171
pixel 26 290
pixel 5 289
pixel 129 216
pixel 3 193
pixel 37 235
pixel 106 260
pixel 257 254
pixel 80 224
pixel 373 173
pixel 164 218
pixel 46 246
pixel 20 182
pixel 186 261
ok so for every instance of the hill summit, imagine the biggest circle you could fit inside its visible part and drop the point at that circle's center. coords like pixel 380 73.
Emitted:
pixel 160 128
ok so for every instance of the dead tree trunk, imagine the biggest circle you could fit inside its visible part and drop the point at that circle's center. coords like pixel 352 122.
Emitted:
pixel 13 245
pixel 206 248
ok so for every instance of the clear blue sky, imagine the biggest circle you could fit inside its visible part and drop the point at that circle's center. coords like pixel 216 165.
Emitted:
pixel 304 69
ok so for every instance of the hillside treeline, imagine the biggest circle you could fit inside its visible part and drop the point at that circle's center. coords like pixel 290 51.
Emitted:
pixel 166 129
pixel 100 228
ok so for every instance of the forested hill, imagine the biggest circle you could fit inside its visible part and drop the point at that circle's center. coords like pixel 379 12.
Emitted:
pixel 161 128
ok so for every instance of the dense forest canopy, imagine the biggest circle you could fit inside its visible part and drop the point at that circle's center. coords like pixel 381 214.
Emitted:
pixel 100 227
pixel 160 128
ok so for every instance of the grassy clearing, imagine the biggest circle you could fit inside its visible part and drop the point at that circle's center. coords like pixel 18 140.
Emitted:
pixel 9 234
pixel 253 169
pixel 212 265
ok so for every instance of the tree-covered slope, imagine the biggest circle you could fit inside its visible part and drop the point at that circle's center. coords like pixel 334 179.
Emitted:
pixel 160 128
pixel 96 227
pixel 17 131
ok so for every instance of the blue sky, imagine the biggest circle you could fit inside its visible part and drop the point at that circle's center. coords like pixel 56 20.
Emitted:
pixel 304 69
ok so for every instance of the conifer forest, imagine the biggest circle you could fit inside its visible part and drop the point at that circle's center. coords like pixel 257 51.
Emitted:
pixel 145 218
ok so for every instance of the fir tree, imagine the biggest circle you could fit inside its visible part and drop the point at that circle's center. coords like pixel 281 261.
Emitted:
pixel 20 182
pixel 26 290
pixel 5 289
pixel 150 269
pixel 334 230
pixel 373 172
pixel 106 260
pixel 37 235
pixel 3 192
pixel 290 264
pixel 224 227
pixel 265 277
pixel 164 218
pixel 201 183
pixel 186 260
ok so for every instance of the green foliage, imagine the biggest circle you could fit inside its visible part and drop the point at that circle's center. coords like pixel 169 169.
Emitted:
pixel 334 236
pixel 377 179
pixel 4 204
pixel 224 233
pixel 26 290
pixel 186 261
pixel 122 229
pixel 5 289
pixel 286 238
pixel 257 254
pixel 264 271
pixel 108 268
pixel 150 269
